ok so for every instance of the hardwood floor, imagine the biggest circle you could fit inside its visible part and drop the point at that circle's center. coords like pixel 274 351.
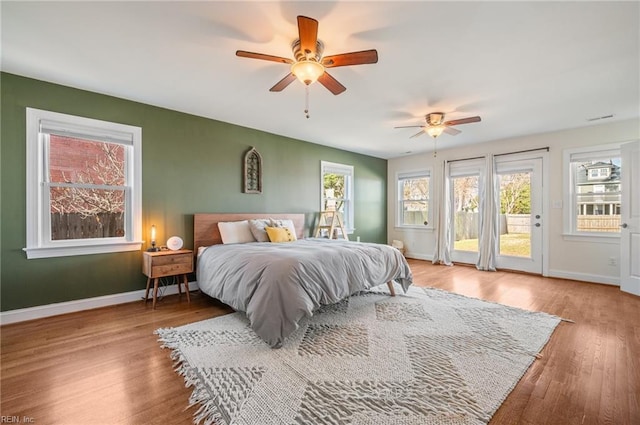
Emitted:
pixel 105 366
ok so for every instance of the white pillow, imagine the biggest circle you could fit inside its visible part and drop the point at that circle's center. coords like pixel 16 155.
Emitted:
pixel 235 232
pixel 285 223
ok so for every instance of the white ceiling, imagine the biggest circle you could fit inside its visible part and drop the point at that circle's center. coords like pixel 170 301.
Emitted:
pixel 524 67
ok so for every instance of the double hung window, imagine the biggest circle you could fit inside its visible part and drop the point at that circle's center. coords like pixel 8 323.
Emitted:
pixel 593 196
pixel 83 185
pixel 413 199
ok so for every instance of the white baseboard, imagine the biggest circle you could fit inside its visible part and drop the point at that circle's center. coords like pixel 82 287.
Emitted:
pixel 607 280
pixel 584 277
pixel 38 312
pixel 417 256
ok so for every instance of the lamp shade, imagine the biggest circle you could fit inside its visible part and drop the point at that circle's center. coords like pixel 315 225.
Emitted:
pixel 435 131
pixel 307 71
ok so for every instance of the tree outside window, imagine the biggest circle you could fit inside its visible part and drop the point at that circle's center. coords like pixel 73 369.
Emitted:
pixel 334 195
pixel 86 188
pixel 413 199
pixel 337 191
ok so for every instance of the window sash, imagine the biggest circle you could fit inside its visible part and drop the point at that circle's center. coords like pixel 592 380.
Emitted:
pixel 85 132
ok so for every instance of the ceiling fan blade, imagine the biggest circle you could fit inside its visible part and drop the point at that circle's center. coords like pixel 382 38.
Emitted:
pixel 331 83
pixel 353 58
pixel 252 55
pixel 452 131
pixel 280 85
pixel 409 126
pixel 462 121
pixel 308 34
pixel 417 134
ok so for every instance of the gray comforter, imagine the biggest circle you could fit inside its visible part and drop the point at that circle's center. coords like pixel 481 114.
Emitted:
pixel 277 284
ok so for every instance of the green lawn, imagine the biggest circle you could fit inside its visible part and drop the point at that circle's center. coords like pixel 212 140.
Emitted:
pixel 516 244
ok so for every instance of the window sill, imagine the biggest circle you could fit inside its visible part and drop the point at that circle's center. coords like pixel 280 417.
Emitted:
pixel 577 237
pixel 414 228
pixel 67 251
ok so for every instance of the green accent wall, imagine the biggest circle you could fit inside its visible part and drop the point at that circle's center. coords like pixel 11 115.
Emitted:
pixel 190 165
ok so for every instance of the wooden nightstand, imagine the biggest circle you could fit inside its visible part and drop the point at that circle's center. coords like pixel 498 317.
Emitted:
pixel 167 263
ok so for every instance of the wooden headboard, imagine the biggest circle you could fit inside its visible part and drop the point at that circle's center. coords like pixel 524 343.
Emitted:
pixel 205 225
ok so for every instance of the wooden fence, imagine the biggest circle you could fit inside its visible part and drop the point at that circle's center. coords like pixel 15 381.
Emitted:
pixel 598 223
pixel 466 224
pixel 517 223
pixel 416 218
pixel 73 226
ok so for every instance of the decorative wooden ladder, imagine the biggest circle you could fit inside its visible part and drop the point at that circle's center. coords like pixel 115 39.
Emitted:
pixel 332 221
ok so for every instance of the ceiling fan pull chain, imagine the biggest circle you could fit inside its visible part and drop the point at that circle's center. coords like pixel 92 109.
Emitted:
pixel 435 147
pixel 306 101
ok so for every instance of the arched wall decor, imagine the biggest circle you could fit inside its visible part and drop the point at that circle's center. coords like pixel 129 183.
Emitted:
pixel 252 171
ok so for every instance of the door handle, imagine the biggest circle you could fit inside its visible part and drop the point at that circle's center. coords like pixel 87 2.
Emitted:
pixel 624 225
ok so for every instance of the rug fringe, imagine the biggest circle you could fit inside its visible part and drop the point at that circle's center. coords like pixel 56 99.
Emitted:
pixel 207 412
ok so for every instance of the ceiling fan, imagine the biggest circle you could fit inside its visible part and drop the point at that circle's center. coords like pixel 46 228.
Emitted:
pixel 309 65
pixel 436 125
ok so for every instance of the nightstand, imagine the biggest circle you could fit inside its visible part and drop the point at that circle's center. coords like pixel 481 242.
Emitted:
pixel 167 263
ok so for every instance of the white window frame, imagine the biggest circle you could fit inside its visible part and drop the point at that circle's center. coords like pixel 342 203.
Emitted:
pixel 39 243
pixel 400 177
pixel 569 185
pixel 327 167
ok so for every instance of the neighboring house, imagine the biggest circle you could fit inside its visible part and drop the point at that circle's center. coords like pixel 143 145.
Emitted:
pixel 598 187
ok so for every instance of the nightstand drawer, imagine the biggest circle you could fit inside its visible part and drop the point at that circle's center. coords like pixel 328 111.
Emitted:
pixel 169 264
pixel 170 269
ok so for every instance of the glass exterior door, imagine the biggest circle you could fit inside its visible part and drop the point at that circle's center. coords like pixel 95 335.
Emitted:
pixel 519 183
pixel 465 213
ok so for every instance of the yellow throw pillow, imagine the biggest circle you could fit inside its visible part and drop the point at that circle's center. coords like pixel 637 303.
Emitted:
pixel 280 234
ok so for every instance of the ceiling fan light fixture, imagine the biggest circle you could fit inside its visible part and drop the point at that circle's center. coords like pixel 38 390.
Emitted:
pixel 435 131
pixel 307 71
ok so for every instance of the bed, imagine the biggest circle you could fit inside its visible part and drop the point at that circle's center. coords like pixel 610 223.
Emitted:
pixel 278 284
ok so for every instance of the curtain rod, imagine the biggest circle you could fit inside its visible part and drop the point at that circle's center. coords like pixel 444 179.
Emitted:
pixel 465 159
pixel 546 148
pixel 501 154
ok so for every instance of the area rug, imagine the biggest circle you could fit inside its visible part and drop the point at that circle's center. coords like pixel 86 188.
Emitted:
pixel 427 357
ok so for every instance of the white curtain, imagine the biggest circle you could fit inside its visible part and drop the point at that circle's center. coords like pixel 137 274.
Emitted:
pixel 488 227
pixel 442 219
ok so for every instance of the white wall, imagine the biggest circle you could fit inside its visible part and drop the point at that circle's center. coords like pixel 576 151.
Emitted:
pixel 566 258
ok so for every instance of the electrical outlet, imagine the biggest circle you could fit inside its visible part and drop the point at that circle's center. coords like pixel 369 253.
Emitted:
pixel 613 261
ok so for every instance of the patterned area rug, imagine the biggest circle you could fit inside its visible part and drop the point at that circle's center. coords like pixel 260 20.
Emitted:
pixel 428 357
